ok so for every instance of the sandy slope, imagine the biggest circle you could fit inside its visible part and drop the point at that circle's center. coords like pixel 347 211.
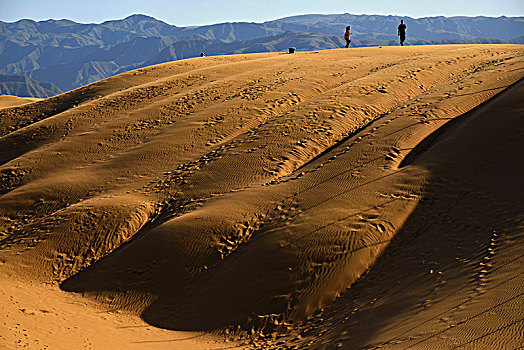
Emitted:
pixel 254 190
pixel 12 101
pixel 42 317
pixel 453 276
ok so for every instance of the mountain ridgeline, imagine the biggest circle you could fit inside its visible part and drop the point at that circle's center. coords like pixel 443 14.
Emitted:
pixel 23 86
pixel 69 54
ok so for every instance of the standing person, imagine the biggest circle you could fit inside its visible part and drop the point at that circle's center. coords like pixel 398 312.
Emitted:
pixel 402 32
pixel 346 36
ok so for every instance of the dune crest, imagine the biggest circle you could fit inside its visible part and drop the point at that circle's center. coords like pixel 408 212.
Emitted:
pixel 7 101
pixel 250 189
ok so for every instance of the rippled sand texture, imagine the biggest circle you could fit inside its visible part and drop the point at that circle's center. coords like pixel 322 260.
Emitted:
pixel 255 189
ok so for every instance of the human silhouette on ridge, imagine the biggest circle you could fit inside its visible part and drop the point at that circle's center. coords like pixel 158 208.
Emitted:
pixel 402 32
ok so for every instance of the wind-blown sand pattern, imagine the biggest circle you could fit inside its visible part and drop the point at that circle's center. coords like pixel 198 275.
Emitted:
pixel 254 190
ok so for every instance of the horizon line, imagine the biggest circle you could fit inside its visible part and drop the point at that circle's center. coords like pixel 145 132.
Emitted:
pixel 258 22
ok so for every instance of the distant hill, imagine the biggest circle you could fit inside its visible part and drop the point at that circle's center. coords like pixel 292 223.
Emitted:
pixel 25 87
pixel 368 27
pixel 70 54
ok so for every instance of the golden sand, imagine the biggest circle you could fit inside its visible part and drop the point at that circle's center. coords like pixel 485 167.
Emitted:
pixel 13 101
pixel 255 190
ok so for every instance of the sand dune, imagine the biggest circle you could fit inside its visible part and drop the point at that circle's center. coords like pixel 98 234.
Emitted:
pixel 12 101
pixel 254 190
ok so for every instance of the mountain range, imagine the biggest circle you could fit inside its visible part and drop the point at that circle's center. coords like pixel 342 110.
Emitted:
pixel 23 86
pixel 69 54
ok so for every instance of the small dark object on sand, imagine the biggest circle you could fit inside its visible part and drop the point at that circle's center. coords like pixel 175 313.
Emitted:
pixel 292 50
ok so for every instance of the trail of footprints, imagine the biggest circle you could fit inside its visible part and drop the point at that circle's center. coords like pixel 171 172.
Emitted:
pixel 183 173
pixel 176 107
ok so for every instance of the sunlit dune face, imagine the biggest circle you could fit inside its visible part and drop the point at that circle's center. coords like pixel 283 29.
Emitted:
pixel 250 190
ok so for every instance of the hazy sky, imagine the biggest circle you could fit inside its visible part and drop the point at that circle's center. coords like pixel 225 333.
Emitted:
pixel 197 12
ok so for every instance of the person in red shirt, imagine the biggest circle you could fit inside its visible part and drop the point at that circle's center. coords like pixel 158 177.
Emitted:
pixel 346 36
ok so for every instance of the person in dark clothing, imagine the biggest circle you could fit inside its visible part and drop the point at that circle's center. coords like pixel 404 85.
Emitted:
pixel 402 32
pixel 346 36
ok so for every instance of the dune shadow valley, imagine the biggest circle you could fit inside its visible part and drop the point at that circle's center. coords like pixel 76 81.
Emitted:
pixel 356 198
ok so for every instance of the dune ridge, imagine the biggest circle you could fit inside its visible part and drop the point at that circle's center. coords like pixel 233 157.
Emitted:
pixel 242 190
pixel 7 101
pixel 452 277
